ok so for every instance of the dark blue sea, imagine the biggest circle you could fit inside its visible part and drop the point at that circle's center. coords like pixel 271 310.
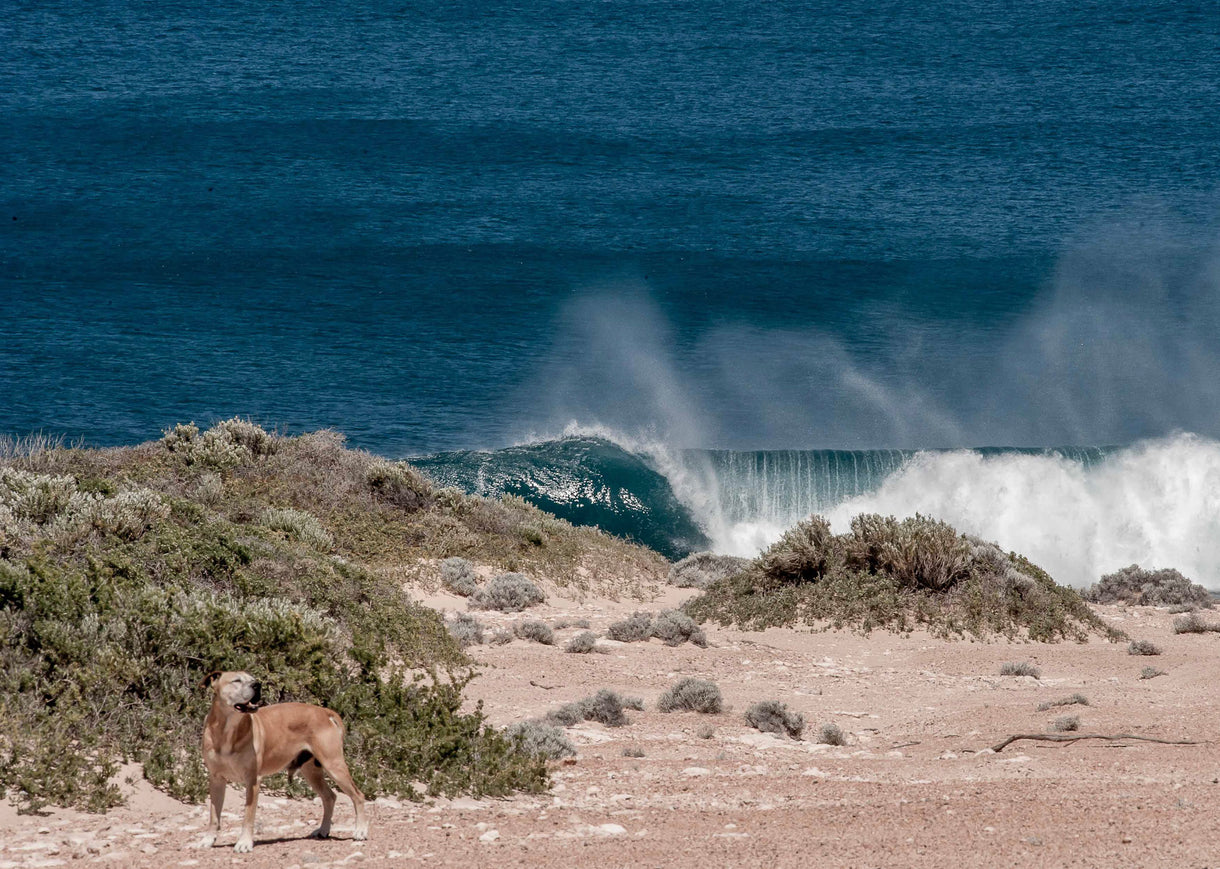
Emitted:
pixel 684 270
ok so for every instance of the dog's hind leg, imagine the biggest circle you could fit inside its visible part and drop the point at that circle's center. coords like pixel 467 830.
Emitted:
pixel 216 802
pixel 337 769
pixel 312 773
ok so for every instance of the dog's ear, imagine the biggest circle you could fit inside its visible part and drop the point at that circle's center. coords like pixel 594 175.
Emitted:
pixel 210 678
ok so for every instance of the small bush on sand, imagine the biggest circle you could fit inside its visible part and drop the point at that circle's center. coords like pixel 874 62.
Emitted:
pixel 560 624
pixel 466 629
pixel 1193 623
pixel 509 592
pixel 633 751
pixel 675 628
pixel 400 485
pixel 703 568
pixel 706 731
pixel 1020 668
pixel 771 716
pixel 1143 647
pixel 540 739
pixel 535 631
pixel 458 576
pixel 831 734
pixel 500 637
pixel 636 703
pixel 1151 673
pixel 605 706
pixel 1134 585
pixel 582 643
pixel 1065 724
pixel 692 695
pixel 898 575
pixel 637 628
pixel 1074 700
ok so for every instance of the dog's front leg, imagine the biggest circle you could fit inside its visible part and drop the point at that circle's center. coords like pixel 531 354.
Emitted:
pixel 216 802
pixel 245 842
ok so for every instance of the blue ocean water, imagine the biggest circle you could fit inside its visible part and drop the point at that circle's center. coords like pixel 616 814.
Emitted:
pixel 722 226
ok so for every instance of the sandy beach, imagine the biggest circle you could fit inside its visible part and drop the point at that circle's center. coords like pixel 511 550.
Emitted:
pixel 917 783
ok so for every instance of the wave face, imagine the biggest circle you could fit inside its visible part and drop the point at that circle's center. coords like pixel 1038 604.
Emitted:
pixel 1079 512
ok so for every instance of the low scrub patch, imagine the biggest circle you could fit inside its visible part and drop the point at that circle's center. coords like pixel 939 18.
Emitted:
pixel 540 740
pixel 458 576
pixel 1134 585
pixel 1193 623
pixel 509 593
pixel 1073 700
pixel 636 628
pixel 673 628
pixel 692 695
pixel 582 643
pixel 1143 647
pixel 703 568
pixel 1020 668
pixel 771 716
pixel 897 575
pixel 831 734
pixel 605 706
pixel 466 629
pixel 535 631
pixel 1065 724
pixel 1151 673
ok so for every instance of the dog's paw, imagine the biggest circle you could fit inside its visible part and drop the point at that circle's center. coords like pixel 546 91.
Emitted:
pixel 244 846
pixel 320 833
pixel 360 834
pixel 208 841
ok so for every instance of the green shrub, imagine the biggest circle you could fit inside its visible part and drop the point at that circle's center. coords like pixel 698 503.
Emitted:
pixel 1134 585
pixel 458 576
pixel 535 631
pixel 897 575
pixel 831 734
pixel 1143 647
pixel 509 592
pixel 606 707
pixel 675 628
pixel 771 716
pixel 693 695
pixel 582 643
pixel 399 484
pixel 1065 724
pixel 567 715
pixel 298 525
pixel 636 628
pixel 1020 668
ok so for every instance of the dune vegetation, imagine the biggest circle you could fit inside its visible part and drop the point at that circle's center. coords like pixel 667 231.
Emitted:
pixel 897 575
pixel 128 574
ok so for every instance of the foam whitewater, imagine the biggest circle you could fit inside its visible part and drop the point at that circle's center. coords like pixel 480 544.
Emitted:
pixel 1077 511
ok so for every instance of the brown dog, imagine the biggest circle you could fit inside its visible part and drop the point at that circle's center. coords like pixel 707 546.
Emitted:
pixel 242 743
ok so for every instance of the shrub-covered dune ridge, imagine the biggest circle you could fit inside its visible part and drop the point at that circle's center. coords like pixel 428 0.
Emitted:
pixel 898 575
pixel 126 575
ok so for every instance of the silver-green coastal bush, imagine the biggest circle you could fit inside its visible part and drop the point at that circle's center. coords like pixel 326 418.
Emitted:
pixel 508 592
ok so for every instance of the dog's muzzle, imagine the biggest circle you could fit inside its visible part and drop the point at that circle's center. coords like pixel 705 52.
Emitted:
pixel 255 701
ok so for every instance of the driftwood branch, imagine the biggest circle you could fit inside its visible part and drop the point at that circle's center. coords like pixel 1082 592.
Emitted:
pixel 1073 737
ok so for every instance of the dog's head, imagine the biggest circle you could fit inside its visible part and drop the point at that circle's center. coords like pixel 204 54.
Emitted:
pixel 236 688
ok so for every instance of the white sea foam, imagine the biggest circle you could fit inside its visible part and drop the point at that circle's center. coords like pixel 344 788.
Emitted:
pixel 1156 503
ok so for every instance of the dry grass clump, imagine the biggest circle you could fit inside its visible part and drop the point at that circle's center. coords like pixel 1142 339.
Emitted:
pixel 500 637
pixel 703 568
pixel 582 643
pixel 691 695
pixel 636 628
pixel 1065 724
pixel 1020 668
pixel 466 629
pixel 509 592
pixel 706 731
pixel 399 484
pixel 1074 700
pixel 633 751
pixel 1134 585
pixel 1143 647
pixel 560 624
pixel 771 716
pixel 458 576
pixel 831 734
pixel 897 574
pixel 636 703
pixel 1151 673
pixel 535 631
pixel 540 739
pixel 229 444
